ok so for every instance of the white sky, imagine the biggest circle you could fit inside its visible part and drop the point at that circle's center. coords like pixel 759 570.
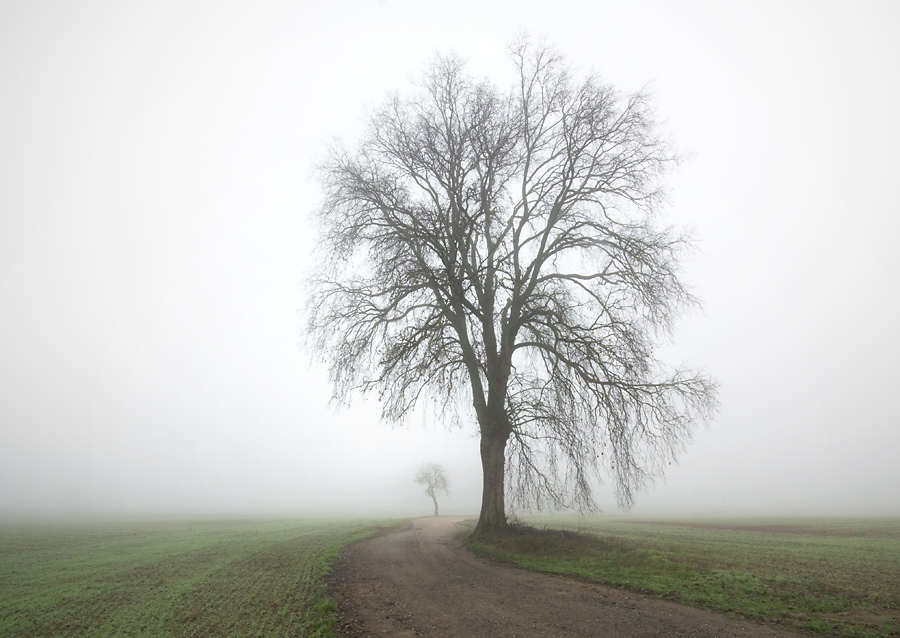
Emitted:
pixel 155 195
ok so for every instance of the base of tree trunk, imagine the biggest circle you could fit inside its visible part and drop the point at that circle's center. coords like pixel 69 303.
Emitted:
pixel 493 508
pixel 486 529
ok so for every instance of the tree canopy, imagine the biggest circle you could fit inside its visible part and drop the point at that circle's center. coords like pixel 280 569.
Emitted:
pixel 502 250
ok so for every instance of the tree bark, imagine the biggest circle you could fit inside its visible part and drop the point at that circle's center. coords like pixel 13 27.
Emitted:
pixel 435 504
pixel 493 507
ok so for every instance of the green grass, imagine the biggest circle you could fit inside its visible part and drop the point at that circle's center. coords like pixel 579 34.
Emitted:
pixel 243 578
pixel 827 577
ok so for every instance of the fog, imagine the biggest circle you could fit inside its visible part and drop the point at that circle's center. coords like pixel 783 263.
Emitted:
pixel 156 185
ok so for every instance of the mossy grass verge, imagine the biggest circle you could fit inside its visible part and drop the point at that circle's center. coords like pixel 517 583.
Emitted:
pixel 826 577
pixel 237 578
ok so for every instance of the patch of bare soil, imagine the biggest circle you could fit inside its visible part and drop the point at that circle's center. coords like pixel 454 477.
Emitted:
pixel 421 581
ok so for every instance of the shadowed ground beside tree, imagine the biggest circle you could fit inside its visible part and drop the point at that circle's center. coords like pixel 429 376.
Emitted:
pixel 434 479
pixel 502 250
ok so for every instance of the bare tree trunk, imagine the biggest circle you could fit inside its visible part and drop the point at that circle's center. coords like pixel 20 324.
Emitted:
pixel 435 504
pixel 493 460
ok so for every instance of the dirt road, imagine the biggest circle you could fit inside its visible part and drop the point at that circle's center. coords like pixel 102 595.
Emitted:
pixel 420 581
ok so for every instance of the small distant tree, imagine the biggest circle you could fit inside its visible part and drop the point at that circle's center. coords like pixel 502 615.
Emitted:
pixel 433 477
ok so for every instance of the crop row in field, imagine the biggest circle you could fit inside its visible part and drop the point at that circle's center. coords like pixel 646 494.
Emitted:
pixel 243 578
pixel 824 576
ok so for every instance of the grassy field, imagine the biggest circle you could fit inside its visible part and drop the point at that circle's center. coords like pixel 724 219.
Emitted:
pixel 244 578
pixel 829 577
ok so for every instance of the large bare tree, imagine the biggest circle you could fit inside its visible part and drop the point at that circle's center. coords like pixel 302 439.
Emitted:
pixel 502 249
